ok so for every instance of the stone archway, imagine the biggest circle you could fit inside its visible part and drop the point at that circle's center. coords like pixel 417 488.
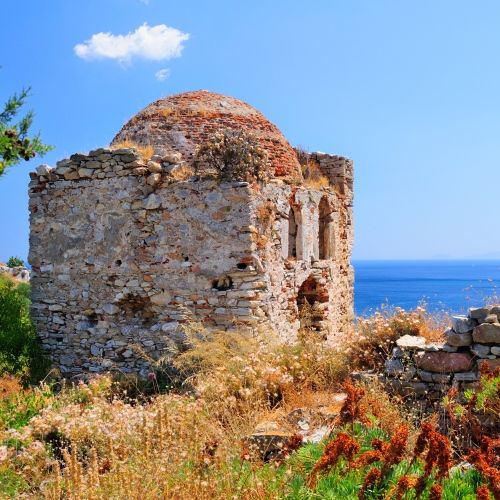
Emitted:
pixel 326 231
pixel 312 304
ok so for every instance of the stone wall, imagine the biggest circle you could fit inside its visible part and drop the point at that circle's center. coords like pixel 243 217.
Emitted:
pixel 19 273
pixel 125 250
pixel 431 369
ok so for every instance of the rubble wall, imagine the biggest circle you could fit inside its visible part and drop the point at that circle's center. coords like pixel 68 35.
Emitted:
pixel 124 251
pixel 429 370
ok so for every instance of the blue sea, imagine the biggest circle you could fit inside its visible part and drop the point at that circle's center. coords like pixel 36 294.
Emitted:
pixel 453 286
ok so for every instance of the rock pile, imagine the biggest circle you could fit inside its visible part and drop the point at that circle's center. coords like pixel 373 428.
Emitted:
pixel 431 369
pixel 19 273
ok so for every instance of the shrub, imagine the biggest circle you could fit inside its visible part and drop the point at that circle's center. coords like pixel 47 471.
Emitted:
pixel 232 155
pixel 20 352
pixel 256 371
pixel 15 262
pixel 374 337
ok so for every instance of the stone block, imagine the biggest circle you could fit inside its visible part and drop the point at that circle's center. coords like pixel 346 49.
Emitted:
pixel 495 310
pixel 466 377
pixel 487 333
pixel 43 169
pixel 110 308
pixel 152 202
pixel 404 388
pixel 266 445
pixel 462 324
pixel 441 378
pixel 480 350
pixel 154 167
pixel 85 172
pixel 479 313
pixel 495 350
pixel 444 362
pixel 424 375
pixel 394 367
pixel 458 339
pixel 410 342
pixel 491 318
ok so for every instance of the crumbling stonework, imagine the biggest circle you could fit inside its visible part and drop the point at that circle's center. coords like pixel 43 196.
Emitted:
pixel 124 251
pixel 430 369
pixel 19 273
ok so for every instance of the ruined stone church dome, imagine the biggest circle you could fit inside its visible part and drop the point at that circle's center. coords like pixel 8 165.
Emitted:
pixel 181 122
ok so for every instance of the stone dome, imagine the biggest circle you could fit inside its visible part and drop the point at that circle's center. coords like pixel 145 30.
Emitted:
pixel 181 122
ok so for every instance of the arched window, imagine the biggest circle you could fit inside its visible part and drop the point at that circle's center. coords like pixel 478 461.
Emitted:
pixel 326 231
pixel 312 304
pixel 292 233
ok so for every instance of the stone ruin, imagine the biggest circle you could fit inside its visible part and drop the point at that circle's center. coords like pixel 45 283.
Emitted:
pixel 125 249
pixel 429 370
pixel 18 273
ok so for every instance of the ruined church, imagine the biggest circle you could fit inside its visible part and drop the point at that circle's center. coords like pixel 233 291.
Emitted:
pixel 129 243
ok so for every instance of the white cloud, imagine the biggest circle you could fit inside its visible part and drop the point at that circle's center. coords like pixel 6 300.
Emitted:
pixel 147 42
pixel 145 2
pixel 162 74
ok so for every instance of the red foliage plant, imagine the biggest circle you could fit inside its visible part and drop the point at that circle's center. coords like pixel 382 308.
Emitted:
pixel 436 492
pixel 486 459
pixel 372 478
pixel 342 445
pixel 438 455
pixel 352 410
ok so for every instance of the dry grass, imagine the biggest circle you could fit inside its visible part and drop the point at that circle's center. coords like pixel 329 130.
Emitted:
pixel 9 385
pixel 375 337
pixel 145 151
pixel 92 441
pixel 174 446
pixel 182 173
pixel 313 177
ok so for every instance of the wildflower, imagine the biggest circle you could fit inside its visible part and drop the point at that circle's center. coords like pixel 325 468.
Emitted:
pixel 370 479
pixel 344 445
pixel 436 492
pixel 405 483
pixel 151 376
pixel 352 409
pixel 396 448
pixel 486 461
pixel 367 458
pixel 483 493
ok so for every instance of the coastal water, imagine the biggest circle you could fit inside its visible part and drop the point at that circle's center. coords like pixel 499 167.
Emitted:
pixel 450 285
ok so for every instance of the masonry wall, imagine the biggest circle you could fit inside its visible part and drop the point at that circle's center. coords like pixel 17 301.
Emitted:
pixel 427 371
pixel 286 274
pixel 124 251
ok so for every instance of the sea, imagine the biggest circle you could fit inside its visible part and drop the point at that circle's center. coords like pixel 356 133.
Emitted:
pixel 446 286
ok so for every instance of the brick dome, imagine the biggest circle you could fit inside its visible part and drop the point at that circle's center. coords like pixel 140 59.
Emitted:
pixel 181 122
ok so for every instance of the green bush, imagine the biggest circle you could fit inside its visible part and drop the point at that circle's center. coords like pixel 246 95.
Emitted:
pixel 20 351
pixel 15 262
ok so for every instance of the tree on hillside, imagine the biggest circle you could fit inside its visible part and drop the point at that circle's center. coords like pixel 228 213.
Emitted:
pixel 15 144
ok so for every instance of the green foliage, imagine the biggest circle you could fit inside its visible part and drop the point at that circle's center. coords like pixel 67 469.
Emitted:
pixel 11 484
pixel 20 351
pixel 15 262
pixel 17 409
pixel 488 397
pixel 345 481
pixel 15 144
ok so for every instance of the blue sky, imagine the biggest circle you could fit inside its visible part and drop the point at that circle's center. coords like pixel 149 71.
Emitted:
pixel 409 90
